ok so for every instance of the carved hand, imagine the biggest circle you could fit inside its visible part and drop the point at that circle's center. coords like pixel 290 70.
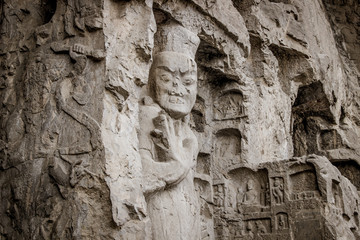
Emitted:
pixel 173 156
pixel 78 54
pixel 165 139
pixel 79 48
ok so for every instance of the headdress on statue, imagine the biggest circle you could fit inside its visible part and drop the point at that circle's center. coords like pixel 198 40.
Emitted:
pixel 172 37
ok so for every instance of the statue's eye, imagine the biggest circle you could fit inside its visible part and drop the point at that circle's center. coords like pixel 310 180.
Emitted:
pixel 165 78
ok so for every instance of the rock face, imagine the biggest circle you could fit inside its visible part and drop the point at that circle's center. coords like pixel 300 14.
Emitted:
pixel 196 119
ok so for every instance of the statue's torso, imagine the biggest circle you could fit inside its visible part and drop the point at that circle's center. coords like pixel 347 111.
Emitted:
pixel 174 210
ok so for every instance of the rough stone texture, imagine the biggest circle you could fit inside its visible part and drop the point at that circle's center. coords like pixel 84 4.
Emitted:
pixel 104 136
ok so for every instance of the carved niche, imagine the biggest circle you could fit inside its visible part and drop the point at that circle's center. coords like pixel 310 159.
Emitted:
pixel 304 181
pixel 257 227
pixel 219 195
pixel 203 164
pixel 249 188
pixel 330 139
pixel 229 105
pixel 277 190
pixel 281 222
pixel 337 194
pixel 228 145
pixel 350 170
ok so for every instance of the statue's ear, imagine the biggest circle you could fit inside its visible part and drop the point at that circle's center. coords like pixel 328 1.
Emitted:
pixel 147 101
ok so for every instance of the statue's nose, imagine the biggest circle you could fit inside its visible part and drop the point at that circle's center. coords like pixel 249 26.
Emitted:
pixel 178 88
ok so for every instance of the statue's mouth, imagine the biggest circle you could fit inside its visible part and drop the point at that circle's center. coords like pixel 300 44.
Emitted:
pixel 176 100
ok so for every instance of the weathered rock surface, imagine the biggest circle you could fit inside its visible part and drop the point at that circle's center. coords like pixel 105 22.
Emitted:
pixel 180 119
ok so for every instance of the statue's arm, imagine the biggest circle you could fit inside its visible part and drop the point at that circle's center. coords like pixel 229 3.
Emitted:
pixel 159 175
pixel 163 160
pixel 276 192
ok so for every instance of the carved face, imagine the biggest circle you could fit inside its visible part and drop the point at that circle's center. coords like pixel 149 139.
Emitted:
pixel 250 184
pixel 276 182
pixel 174 79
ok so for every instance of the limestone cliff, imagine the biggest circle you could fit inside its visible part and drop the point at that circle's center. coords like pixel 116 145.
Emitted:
pixel 276 118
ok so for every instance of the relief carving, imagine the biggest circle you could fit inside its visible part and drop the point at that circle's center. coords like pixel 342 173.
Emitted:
pixel 239 199
pixel 228 145
pixel 59 89
pixel 168 147
pixel 260 227
pixel 236 230
pixel 257 227
pixel 278 199
pixel 219 195
pixel 203 164
pixel 250 189
pixel 336 191
pixel 81 16
pixel 229 106
pixel 304 181
pixel 251 195
pixel 278 190
pixel 265 194
pixel 75 85
pixel 282 221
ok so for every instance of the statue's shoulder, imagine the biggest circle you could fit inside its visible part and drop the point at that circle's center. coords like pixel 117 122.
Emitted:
pixel 148 109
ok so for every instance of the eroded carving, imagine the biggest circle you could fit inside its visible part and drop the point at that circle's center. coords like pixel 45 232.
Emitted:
pixel 219 195
pixel 257 227
pixel 251 195
pixel 249 188
pixel 281 199
pixel 81 16
pixel 228 146
pixel 304 181
pixel 265 194
pixel 282 221
pixel 278 190
pixel 330 139
pixel 203 164
pixel 337 195
pixel 239 199
pixel 229 106
pixel 168 147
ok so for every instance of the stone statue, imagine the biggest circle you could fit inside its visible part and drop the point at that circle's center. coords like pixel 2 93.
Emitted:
pixel 278 191
pixel 337 197
pixel 250 229
pixel 251 195
pixel 281 222
pixel 168 147
pixel 219 196
pixel 239 198
pixel 260 227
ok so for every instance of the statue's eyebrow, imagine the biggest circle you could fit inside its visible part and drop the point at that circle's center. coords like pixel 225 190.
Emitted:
pixel 184 70
pixel 166 69
pixel 189 71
